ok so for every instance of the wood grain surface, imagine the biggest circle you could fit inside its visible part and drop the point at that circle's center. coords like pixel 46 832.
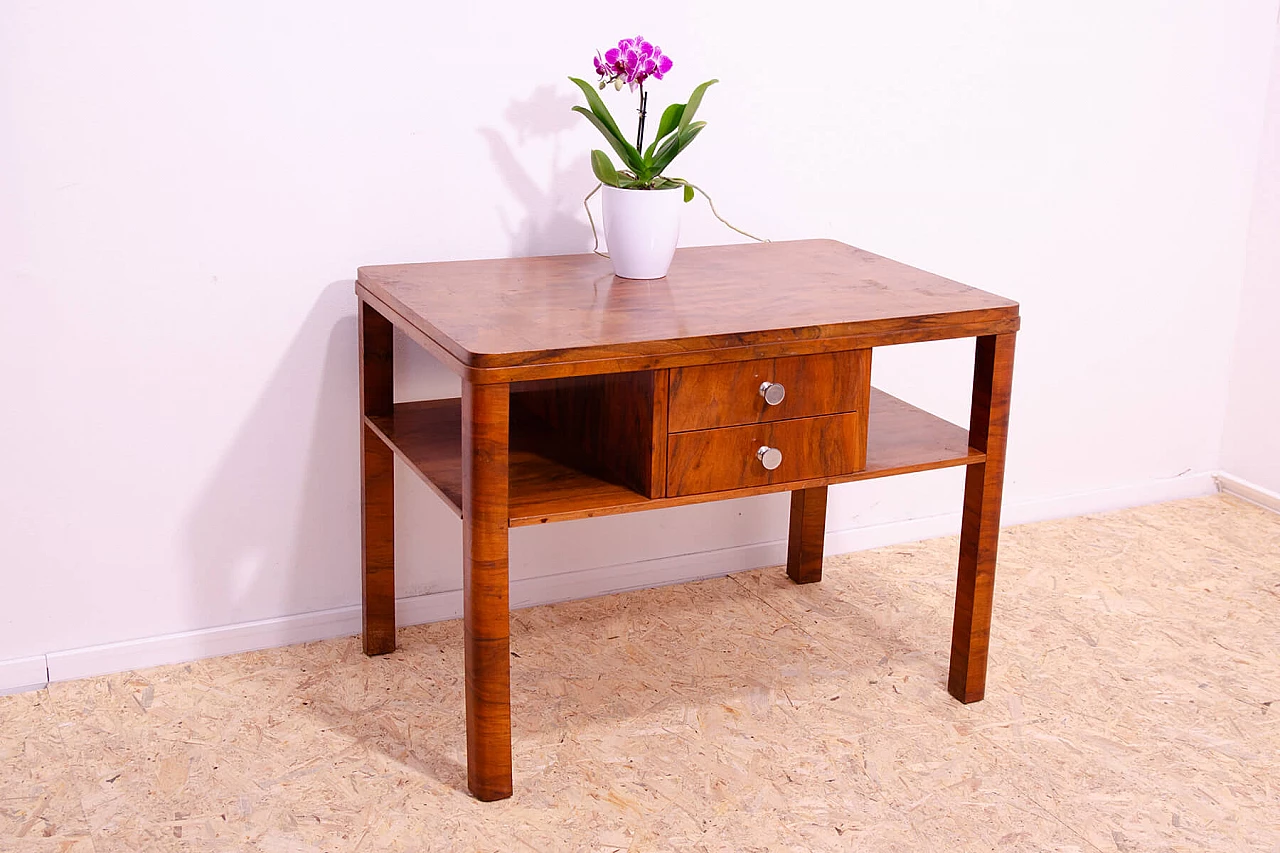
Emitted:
pixel 728 394
pixel 377 489
pixel 660 415
pixel 568 309
pixel 605 425
pixel 716 460
pixel 485 589
pixel 427 436
pixel 805 538
pixel 980 524
pixel 585 394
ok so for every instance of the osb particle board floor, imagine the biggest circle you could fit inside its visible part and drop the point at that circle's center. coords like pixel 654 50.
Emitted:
pixel 1132 705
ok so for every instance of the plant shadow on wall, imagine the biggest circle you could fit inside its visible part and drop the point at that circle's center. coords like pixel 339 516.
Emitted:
pixel 553 221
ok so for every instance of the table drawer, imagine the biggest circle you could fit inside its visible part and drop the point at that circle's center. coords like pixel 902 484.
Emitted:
pixel 716 460
pixel 719 395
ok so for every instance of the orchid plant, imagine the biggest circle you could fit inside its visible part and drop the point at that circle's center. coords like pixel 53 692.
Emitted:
pixel 633 62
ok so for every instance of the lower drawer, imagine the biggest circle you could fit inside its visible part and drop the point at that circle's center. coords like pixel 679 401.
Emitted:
pixel 716 460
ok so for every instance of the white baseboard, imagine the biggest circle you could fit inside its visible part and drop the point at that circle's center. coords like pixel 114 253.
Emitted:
pixel 1107 500
pixel 205 643
pixel 648 573
pixel 1023 512
pixel 23 674
pixel 891 533
pixel 604 580
pixel 1249 491
pixel 30 673
pixel 345 621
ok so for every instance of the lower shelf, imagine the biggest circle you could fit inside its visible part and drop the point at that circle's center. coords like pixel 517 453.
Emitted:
pixel 427 435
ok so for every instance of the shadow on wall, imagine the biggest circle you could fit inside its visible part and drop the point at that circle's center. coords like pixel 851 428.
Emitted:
pixel 552 224
pixel 276 531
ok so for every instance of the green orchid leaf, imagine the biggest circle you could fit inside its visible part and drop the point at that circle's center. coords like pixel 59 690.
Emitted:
pixel 670 120
pixel 603 168
pixel 664 153
pixel 605 124
pixel 680 182
pixel 597 106
pixel 674 145
pixel 627 152
pixel 695 101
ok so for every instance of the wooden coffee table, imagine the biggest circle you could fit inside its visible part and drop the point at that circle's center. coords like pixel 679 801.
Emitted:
pixel 746 370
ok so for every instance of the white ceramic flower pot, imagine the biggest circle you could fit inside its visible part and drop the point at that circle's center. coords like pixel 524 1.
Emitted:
pixel 641 228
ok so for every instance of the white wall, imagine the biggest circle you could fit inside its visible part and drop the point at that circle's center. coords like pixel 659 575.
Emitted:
pixel 187 189
pixel 1251 441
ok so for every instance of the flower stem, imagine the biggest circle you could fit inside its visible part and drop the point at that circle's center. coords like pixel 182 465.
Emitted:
pixel 644 97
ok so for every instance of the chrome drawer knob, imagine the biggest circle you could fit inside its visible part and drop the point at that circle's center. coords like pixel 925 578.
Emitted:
pixel 770 457
pixel 773 392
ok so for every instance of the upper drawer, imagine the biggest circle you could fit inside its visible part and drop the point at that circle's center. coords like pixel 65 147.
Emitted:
pixel 717 395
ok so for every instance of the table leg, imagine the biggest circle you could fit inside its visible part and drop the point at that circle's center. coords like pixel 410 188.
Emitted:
pixel 980 527
pixel 377 488
pixel 805 540
pixel 486 615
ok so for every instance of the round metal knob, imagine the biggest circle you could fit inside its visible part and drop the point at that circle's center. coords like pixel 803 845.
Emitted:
pixel 773 392
pixel 770 457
